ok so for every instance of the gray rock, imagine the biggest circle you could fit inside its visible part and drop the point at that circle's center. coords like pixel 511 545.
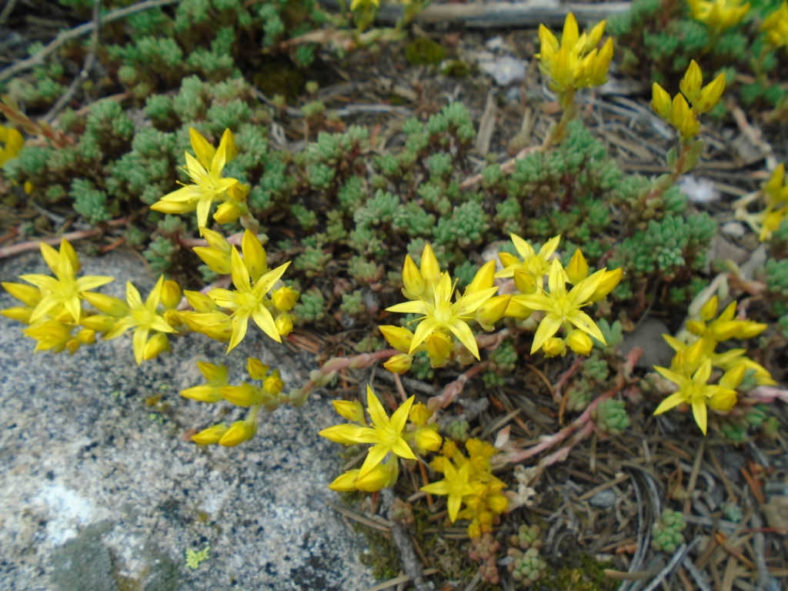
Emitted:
pixel 101 491
pixel 604 499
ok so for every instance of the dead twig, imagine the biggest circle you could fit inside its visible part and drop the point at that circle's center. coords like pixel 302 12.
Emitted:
pixel 15 249
pixel 87 66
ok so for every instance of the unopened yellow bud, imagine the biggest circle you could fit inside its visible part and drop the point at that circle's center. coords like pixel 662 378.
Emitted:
pixel 28 187
pixel 609 281
pixel 723 400
pixel 691 82
pixel 427 439
pixel 86 336
pixel 345 482
pixel 227 213
pixel 284 324
pixel 350 410
pixel 683 118
pixel 554 346
pixel 492 311
pixel 419 414
pixel 397 336
pixel 256 368
pixel 210 435
pixel 202 393
pixel 238 432
pixel 273 384
pixel 579 342
pixel 213 372
pixel 284 298
pixel 399 363
pixel 696 327
pixel 660 101
pixel 439 347
pixel 710 95
pixel 709 309
pixel 170 294
pixel 516 309
pixel 244 395
pixel 498 503
pixel 380 477
pixel 156 345
pixel 577 269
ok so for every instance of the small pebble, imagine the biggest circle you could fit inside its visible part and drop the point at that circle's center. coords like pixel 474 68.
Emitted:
pixel 604 499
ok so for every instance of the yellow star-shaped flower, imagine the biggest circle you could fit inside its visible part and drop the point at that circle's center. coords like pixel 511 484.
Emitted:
pixel 440 314
pixel 205 171
pixel 144 317
pixel 385 433
pixel 563 309
pixel 64 289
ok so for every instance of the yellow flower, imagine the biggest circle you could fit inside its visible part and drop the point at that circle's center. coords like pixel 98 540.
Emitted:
pixel 385 433
pixel 563 309
pixel 11 142
pixel 205 171
pixel 529 270
pixel 440 314
pixel 64 290
pixel 695 391
pixel 719 15
pixel 364 4
pixel 575 62
pixel 419 282
pixel 678 111
pixel 250 298
pixel 143 317
pixel 776 27
pixel 724 327
pixel 456 485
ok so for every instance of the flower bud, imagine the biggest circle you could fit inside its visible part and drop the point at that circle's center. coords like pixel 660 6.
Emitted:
pixel 170 294
pixel 525 281
pixel 554 346
pixel 723 400
pixel 427 439
pixel 579 342
pixel 86 336
pixel 238 432
pixel 419 414
pixel 202 393
pixel 399 363
pixel 201 302
pixel 28 294
pixel 380 477
pixel 492 311
pixel 273 384
pixel 284 298
pixel 256 368
pixel 227 213
pixel 102 302
pixel 345 482
pixel 350 410
pixel 157 344
pixel 397 336
pixel 284 324
pixel 439 347
pixel 516 309
pixel 210 435
pixel 244 395
pixel 609 281
pixel 577 269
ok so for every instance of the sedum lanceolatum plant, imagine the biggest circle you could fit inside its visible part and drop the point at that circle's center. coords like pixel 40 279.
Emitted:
pixel 541 302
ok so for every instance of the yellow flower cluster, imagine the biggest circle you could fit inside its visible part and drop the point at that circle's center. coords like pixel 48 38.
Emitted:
pixel 224 314
pixel 678 112
pixel 775 193
pixel 560 309
pixel 719 15
pixel 267 395
pixel 205 171
pixel 695 360
pixel 384 433
pixel 430 292
pixel 469 481
pixel 775 26
pixel 575 62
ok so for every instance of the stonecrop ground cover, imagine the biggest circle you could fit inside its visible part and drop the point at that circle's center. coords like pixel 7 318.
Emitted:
pixel 525 274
